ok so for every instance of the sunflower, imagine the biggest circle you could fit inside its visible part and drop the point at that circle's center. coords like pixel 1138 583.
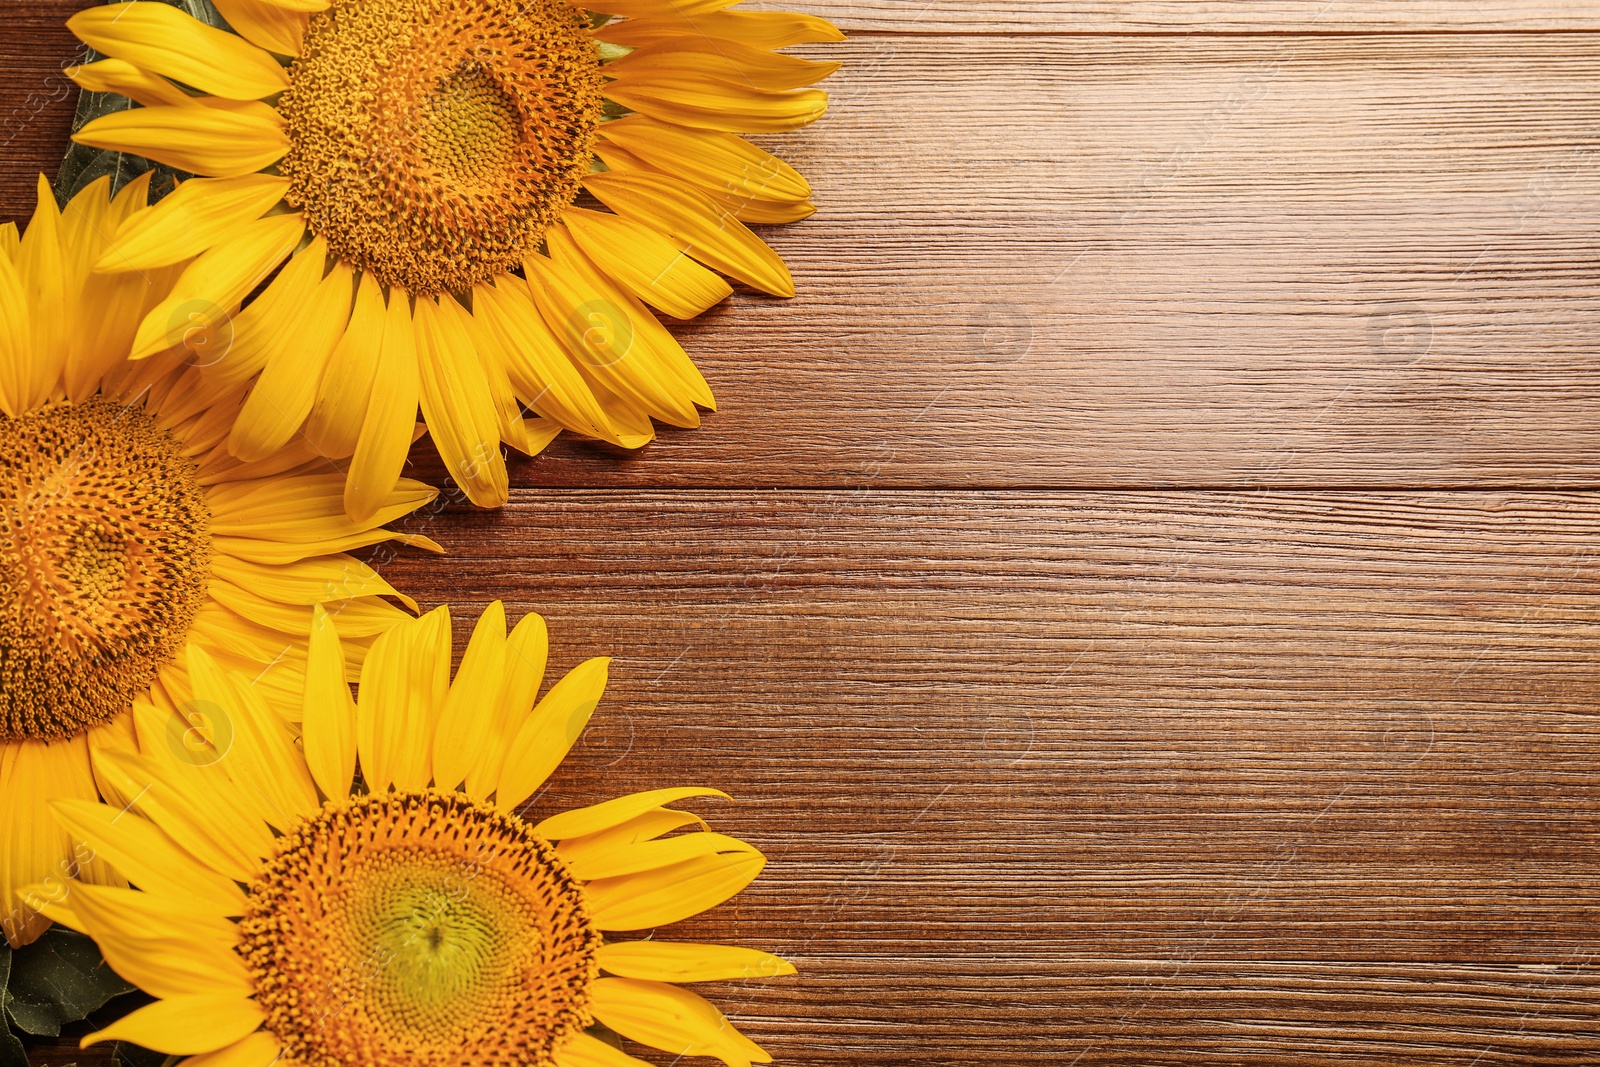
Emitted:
pixel 127 533
pixel 371 896
pixel 468 204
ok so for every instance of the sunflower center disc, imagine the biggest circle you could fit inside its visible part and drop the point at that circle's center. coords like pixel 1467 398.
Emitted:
pixel 104 558
pixel 434 141
pixel 403 929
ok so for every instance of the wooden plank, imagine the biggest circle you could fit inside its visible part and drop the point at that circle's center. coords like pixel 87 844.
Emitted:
pixel 1156 778
pixel 1107 262
pixel 36 98
pixel 1195 16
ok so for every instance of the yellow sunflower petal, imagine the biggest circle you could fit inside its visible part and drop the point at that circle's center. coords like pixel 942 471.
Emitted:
pixel 671 961
pixel 200 213
pixel 316 581
pixel 597 817
pixel 457 404
pixel 646 8
pixel 260 550
pixel 605 336
pixel 646 827
pixel 283 394
pixel 404 683
pixel 758 29
pixel 307 509
pixel 32 846
pixel 183 1026
pixel 328 717
pixel 146 951
pixel 699 56
pixel 645 263
pixel 711 234
pixel 147 857
pixel 514 431
pixel 215 142
pixel 200 829
pixel 16 343
pixel 217 281
pixel 522 670
pixel 707 102
pixel 652 855
pixel 259 1049
pixel 754 202
pixel 121 77
pixel 269 26
pixel 467 719
pixel 334 424
pixel 43 270
pixel 539 368
pixel 166 41
pixel 670 894
pixel 547 735
pixel 391 412
pixel 582 1050
pixel 258 334
pixel 673 1020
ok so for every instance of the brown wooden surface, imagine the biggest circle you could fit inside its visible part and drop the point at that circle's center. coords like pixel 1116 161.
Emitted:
pixel 1141 594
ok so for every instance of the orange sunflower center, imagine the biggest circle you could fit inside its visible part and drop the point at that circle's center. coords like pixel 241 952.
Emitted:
pixel 412 929
pixel 434 141
pixel 104 559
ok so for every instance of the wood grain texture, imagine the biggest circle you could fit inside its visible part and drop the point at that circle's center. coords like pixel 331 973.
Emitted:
pixel 1036 17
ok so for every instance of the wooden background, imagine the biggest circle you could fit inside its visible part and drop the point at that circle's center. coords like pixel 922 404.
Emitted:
pixel 1142 592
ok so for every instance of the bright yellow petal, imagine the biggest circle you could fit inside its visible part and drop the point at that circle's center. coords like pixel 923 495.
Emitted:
pixel 137 939
pixel 670 894
pixel 671 961
pixel 16 343
pixel 387 428
pixel 166 41
pixel 527 650
pixel 258 333
pixel 466 723
pixel 123 78
pixel 334 424
pixel 404 683
pixel 645 263
pixel 673 1020
pixel 710 234
pixel 582 1050
pixel 43 270
pixel 183 1026
pixel 697 56
pixel 33 848
pixel 547 735
pixel 259 1049
pixel 597 817
pixel 200 213
pixel 283 395
pixel 307 508
pixel 646 8
pixel 266 25
pixel 692 99
pixel 147 857
pixel 215 283
pixel 646 827
pixel 457 404
pixel 328 716
pixel 215 142
pixel 540 370
pixel 260 550
pixel 653 855
pixel 758 29
pixel 316 581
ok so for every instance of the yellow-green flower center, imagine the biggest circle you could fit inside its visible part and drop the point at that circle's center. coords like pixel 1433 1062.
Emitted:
pixel 404 929
pixel 104 558
pixel 434 141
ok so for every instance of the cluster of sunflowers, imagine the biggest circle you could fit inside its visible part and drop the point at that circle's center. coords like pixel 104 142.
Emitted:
pixel 466 208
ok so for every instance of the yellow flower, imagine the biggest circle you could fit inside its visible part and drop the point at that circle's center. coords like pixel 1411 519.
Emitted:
pixel 416 171
pixel 127 532
pixel 292 906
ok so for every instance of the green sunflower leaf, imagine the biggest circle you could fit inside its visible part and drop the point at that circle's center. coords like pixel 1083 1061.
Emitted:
pixel 12 1054
pixel 58 979
pixel 83 165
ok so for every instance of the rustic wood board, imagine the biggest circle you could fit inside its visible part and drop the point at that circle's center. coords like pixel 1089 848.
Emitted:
pixel 1060 772
pixel 1039 17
